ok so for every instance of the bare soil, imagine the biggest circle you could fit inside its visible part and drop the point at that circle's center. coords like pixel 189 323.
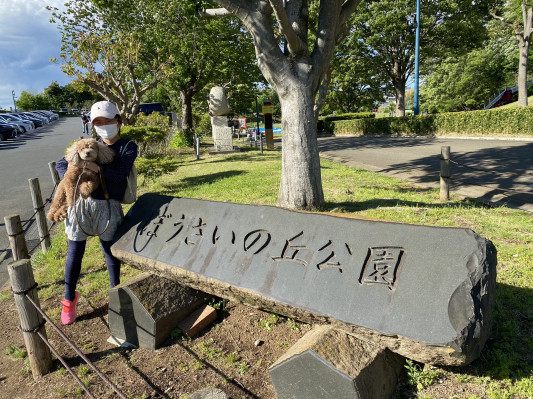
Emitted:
pixel 232 354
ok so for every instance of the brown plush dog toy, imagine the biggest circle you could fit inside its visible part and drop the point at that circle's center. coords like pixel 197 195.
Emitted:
pixel 81 151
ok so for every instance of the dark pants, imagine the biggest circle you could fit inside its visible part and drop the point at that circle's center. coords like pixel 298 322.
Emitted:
pixel 75 252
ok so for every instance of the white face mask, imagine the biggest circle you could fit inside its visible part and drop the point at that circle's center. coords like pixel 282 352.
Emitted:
pixel 107 132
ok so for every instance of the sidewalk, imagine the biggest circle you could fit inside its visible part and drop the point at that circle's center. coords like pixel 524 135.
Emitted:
pixel 490 170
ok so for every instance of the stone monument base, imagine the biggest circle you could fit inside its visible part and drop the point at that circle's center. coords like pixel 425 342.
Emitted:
pixel 222 134
pixel 329 363
pixel 144 310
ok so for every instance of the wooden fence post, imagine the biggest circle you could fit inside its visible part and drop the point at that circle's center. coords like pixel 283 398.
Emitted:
pixel 22 279
pixel 40 217
pixel 445 173
pixel 55 174
pixel 17 241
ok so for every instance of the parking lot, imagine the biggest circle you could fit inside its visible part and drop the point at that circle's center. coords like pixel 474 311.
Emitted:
pixel 25 157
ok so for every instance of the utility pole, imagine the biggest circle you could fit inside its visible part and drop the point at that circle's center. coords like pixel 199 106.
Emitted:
pixel 13 93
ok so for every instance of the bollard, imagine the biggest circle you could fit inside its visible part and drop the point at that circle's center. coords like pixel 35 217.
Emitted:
pixel 55 174
pixel 40 217
pixel 17 241
pixel 445 173
pixel 22 281
pixel 197 148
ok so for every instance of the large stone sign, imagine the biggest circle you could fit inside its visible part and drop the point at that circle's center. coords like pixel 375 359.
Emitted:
pixel 426 293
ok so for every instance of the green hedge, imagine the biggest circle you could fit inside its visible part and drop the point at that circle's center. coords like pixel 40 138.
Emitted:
pixel 509 121
pixel 325 122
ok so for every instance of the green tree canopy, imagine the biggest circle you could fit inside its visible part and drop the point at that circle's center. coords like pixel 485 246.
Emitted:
pixel 107 46
pixel 382 37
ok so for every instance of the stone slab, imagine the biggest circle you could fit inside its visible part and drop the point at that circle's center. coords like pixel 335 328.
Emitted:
pixel 426 293
pixel 144 310
pixel 222 134
pixel 197 320
pixel 329 363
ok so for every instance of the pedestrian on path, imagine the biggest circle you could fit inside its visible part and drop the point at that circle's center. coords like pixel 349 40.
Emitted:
pixel 85 123
pixel 96 215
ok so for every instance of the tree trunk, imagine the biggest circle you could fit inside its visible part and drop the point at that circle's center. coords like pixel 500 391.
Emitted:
pixel 398 81
pixel 186 116
pixel 301 181
pixel 522 74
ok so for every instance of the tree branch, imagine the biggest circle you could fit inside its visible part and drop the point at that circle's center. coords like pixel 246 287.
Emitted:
pixel 502 19
pixel 215 12
pixel 293 41
pixel 347 9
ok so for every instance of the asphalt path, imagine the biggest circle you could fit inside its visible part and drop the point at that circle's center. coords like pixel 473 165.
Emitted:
pixel 493 171
pixel 23 158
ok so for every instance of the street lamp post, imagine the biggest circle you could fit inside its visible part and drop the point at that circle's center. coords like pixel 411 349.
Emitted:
pixel 14 103
pixel 417 56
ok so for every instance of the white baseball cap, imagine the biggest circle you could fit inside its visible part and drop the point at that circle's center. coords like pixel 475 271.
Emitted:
pixel 104 108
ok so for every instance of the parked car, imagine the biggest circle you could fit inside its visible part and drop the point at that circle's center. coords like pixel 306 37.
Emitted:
pixel 38 122
pixel 38 116
pixel 6 131
pixel 13 120
pixel 148 108
pixel 42 115
pixel 52 115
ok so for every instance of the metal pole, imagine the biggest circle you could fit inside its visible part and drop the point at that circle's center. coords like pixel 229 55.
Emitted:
pixel 257 115
pixel 14 103
pixel 417 56
pixel 445 173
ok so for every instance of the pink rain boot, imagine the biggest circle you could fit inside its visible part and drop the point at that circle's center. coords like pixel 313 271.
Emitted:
pixel 68 314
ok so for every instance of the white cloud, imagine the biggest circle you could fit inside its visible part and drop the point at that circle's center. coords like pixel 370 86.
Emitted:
pixel 28 40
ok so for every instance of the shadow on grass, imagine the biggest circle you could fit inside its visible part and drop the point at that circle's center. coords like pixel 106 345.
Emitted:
pixel 190 182
pixel 357 206
pixel 247 156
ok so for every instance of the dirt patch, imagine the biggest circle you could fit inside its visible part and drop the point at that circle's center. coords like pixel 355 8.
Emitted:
pixel 232 354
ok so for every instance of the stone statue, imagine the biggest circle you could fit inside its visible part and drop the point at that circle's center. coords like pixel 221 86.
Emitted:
pixel 218 102
pixel 218 109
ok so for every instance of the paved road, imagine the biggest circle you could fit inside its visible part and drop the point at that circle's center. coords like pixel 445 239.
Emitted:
pixel 24 158
pixel 418 160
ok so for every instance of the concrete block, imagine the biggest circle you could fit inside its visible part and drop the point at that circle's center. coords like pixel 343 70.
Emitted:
pixel 144 310
pixel 328 363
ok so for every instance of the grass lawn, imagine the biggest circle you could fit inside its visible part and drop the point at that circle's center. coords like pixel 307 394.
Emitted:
pixel 505 368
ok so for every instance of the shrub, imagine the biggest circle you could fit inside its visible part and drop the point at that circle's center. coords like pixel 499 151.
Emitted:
pixel 155 119
pixel 178 140
pixel 325 122
pixel 153 166
pixel 145 137
pixel 511 121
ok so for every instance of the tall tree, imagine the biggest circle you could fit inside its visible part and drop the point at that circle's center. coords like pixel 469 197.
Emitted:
pixel 296 75
pixel 198 60
pixel 517 15
pixel 383 36
pixel 106 45
pixel 467 82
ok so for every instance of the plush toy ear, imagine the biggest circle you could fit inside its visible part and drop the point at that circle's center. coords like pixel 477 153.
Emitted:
pixel 72 155
pixel 105 154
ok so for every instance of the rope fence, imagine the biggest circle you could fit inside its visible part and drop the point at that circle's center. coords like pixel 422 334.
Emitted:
pixel 445 176
pixel 21 275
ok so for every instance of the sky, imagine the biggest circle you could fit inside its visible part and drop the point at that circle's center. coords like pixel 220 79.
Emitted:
pixel 27 42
